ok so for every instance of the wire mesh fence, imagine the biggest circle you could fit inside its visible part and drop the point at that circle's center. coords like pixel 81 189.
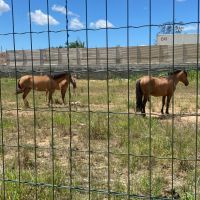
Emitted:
pixel 96 146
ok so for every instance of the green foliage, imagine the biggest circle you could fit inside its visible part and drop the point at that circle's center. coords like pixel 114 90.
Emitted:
pixel 192 75
pixel 188 196
pixel 7 123
pixel 75 44
pixel 61 119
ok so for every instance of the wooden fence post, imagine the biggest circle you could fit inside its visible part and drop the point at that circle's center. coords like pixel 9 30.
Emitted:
pixel 161 54
pixel 78 60
pixel 7 58
pixel 118 59
pixel 24 58
pixel 138 55
pixel 41 57
pixel 184 53
pixel 59 56
pixel 97 57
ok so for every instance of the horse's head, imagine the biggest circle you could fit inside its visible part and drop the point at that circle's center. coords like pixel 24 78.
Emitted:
pixel 180 75
pixel 183 77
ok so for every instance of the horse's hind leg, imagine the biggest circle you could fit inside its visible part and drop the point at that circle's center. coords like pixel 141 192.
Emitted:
pixel 46 94
pixel 163 104
pixel 26 91
pixel 50 102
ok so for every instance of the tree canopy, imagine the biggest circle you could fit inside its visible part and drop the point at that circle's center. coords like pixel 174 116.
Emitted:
pixel 167 28
pixel 75 44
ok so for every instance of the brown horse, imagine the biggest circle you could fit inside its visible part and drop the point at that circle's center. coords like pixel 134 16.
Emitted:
pixel 48 83
pixel 165 87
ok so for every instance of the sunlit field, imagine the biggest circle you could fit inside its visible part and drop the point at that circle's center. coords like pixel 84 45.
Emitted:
pixel 97 142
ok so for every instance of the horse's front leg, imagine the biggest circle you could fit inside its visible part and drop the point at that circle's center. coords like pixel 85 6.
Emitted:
pixel 144 104
pixel 163 104
pixel 168 102
pixel 26 91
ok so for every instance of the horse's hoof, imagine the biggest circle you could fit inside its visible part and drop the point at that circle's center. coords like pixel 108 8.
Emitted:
pixel 138 110
pixel 26 105
pixel 143 114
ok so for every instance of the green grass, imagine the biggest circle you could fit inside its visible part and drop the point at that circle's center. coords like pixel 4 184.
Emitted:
pixel 54 133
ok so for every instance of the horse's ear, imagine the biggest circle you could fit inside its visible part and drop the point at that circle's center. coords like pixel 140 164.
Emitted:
pixel 185 72
pixel 75 76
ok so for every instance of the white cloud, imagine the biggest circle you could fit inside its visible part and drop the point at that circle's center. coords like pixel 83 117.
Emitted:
pixel 101 24
pixel 62 10
pixel 4 7
pixel 75 23
pixel 41 18
pixel 190 28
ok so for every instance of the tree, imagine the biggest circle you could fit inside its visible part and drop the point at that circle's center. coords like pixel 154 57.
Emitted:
pixel 167 28
pixel 75 44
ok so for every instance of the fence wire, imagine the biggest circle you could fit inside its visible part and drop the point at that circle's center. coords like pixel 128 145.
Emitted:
pixel 107 172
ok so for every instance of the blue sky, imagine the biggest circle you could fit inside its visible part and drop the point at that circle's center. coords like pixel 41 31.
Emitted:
pixel 162 11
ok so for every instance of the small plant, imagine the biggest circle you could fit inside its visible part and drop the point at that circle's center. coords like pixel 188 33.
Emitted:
pixel 27 161
pixel 61 119
pixel 188 196
pixel 99 128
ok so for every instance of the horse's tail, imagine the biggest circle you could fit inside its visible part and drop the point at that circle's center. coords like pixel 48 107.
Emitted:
pixel 18 84
pixel 19 88
pixel 138 96
pixel 72 81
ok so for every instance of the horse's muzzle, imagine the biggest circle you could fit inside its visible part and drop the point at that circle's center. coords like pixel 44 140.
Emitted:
pixel 186 84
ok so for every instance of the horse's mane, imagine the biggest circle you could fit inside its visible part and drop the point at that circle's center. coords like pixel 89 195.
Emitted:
pixel 56 76
pixel 176 72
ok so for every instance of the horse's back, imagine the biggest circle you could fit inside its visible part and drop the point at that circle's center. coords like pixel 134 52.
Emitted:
pixel 43 83
pixel 40 83
pixel 41 79
pixel 154 86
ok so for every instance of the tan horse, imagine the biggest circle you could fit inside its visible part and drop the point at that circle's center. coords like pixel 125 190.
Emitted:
pixel 62 85
pixel 48 83
pixel 165 87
